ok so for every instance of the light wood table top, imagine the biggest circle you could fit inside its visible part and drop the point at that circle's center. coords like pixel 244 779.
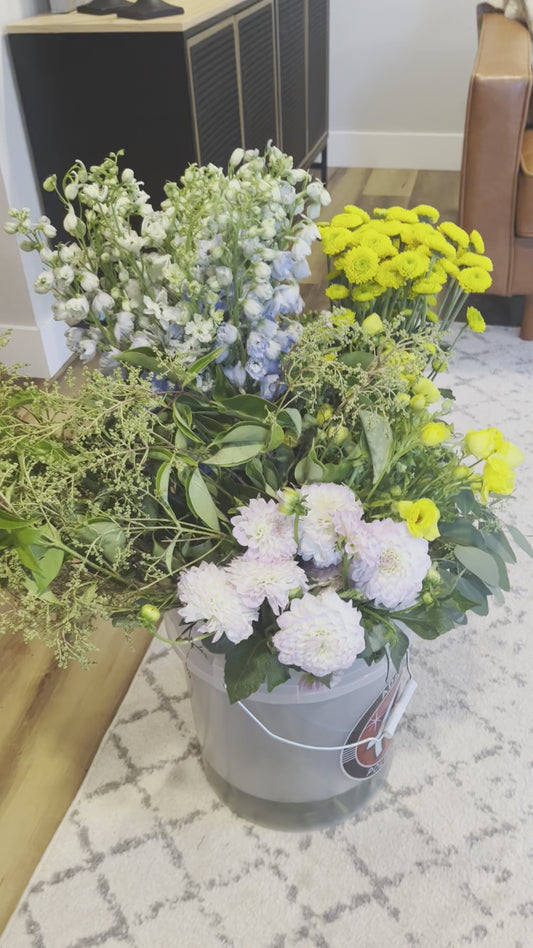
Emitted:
pixel 196 12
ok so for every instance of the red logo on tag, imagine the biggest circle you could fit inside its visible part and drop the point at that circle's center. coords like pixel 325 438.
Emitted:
pixel 367 759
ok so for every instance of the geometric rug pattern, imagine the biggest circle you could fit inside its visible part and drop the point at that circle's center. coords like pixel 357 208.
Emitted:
pixel 148 857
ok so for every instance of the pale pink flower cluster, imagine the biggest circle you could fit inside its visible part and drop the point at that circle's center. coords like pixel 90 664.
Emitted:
pixel 295 563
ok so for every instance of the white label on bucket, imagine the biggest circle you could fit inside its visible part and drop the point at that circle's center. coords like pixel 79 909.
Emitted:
pixel 364 761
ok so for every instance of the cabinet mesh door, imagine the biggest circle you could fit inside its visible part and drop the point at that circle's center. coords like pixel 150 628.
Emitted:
pixel 256 53
pixel 317 115
pixel 291 14
pixel 216 96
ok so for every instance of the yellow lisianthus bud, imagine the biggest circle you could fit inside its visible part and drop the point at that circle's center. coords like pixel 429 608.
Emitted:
pixel 421 517
pixel 510 453
pixel 435 432
pixel 475 319
pixel 483 443
pixel 418 403
pixel 372 324
pixel 428 390
pixel 402 399
pixel 498 477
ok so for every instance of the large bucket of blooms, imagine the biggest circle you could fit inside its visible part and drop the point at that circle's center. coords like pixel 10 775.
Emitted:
pixel 291 484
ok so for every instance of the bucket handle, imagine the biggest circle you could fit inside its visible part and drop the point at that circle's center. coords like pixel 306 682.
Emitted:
pixel 386 730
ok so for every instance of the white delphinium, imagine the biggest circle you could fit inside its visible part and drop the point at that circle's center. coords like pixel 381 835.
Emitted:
pixel 320 634
pixel 211 601
pixel 273 580
pixel 318 538
pixel 268 533
pixel 390 564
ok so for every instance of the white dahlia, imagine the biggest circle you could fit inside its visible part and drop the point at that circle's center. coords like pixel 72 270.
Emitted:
pixel 320 634
pixel 317 532
pixel 258 580
pixel 391 564
pixel 268 533
pixel 212 602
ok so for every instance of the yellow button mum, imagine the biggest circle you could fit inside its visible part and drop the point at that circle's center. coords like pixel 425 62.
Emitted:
pixel 435 432
pixel 421 517
pixel 475 319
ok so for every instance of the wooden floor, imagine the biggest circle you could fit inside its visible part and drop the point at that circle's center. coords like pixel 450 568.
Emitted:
pixel 52 721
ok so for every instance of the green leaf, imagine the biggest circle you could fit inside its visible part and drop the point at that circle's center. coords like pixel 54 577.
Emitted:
pixel 11 522
pixel 245 668
pixel 352 359
pixel 498 543
pixel 276 673
pixel 276 437
pixel 463 533
pixel 162 481
pixel 429 622
pixel 50 564
pixel 379 438
pixel 204 361
pixel 398 647
pixel 105 535
pixel 518 537
pixel 479 562
pixel 475 591
pixel 292 417
pixel 250 406
pixel 142 357
pixel 239 445
pixel 183 423
pixel 244 433
pixel 309 470
pixel 200 501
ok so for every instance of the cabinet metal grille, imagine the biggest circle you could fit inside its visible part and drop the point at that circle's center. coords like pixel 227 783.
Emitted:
pixel 256 53
pixel 291 21
pixel 317 69
pixel 216 95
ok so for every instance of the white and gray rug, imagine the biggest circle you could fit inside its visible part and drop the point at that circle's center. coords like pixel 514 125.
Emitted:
pixel 148 857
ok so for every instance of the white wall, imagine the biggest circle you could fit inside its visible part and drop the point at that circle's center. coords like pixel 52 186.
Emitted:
pixel 36 339
pixel 399 73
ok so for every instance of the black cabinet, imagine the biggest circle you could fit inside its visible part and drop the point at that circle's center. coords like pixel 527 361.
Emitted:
pixel 170 96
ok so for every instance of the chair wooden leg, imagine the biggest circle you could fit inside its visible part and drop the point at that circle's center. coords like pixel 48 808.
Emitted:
pixel 526 329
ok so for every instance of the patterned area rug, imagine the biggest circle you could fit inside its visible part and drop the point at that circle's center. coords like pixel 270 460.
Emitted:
pixel 148 857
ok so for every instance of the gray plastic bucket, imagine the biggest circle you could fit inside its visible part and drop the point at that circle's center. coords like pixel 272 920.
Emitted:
pixel 252 751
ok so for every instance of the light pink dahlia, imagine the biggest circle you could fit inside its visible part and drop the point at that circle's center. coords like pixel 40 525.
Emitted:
pixel 317 531
pixel 320 634
pixel 268 533
pixel 212 602
pixel 391 564
pixel 258 580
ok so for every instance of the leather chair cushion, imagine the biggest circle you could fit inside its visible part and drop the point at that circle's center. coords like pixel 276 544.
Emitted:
pixel 524 198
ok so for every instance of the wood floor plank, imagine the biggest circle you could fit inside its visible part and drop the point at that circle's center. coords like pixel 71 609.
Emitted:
pixel 439 188
pixel 398 184
pixel 51 724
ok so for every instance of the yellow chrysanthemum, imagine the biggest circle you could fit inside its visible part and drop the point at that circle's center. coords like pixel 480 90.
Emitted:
pixel 379 242
pixel 474 280
pixel 477 242
pixel 435 432
pixel 428 287
pixel 411 264
pixel 437 243
pixel 498 477
pixel 379 213
pixel 337 291
pixel 455 233
pixel 392 228
pixel 367 291
pixel 449 267
pixel 421 517
pixel 388 276
pixel 360 264
pixel 342 317
pixel 430 315
pixel 401 214
pixel 427 212
pixel 351 220
pixel 334 239
pixel 353 209
pixel 475 260
pixel 475 319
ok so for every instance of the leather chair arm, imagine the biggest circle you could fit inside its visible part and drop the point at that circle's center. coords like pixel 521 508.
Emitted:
pixel 497 108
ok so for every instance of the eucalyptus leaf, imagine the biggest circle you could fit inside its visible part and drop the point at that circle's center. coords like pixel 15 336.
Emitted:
pixel 457 531
pixel 498 543
pixel 480 563
pixel 518 537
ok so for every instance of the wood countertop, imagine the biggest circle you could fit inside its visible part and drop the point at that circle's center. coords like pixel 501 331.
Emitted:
pixel 196 13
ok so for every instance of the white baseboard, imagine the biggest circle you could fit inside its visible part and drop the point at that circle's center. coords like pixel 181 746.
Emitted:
pixel 40 351
pixel 417 150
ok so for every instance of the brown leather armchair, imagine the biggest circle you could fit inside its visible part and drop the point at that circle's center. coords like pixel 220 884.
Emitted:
pixel 497 169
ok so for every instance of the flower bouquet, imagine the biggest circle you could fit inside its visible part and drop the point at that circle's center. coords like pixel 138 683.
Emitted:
pixel 291 483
